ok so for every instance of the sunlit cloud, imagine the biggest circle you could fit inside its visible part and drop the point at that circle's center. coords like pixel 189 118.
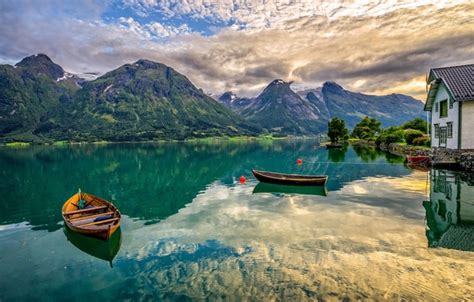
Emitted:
pixel 377 48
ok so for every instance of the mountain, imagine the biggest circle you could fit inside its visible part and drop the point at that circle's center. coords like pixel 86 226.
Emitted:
pixel 280 109
pixel 234 102
pixel 140 101
pixel 391 110
pixel 29 91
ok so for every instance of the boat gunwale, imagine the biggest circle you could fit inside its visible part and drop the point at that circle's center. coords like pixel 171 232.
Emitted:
pixel 285 176
pixel 101 231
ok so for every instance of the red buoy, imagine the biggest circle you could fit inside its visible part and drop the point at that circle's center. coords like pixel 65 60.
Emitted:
pixel 299 161
pixel 242 179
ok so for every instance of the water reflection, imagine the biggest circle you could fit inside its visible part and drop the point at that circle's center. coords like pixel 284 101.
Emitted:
pixel 105 250
pixel 150 182
pixel 192 232
pixel 285 189
pixel 450 211
pixel 337 154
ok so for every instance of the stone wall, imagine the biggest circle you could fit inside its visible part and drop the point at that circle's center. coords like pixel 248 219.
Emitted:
pixel 454 158
pixel 442 157
pixel 404 150
pixel 466 161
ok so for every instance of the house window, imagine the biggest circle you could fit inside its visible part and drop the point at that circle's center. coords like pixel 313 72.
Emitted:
pixel 443 112
pixel 436 107
pixel 451 103
pixel 450 129
pixel 436 126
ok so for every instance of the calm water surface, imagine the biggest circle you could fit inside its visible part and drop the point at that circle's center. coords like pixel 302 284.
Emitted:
pixel 190 231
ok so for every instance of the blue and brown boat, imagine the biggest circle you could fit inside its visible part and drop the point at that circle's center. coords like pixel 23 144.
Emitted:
pixel 91 215
pixel 290 179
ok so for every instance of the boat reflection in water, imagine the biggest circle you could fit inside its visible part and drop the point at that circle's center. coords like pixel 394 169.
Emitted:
pixel 105 250
pixel 450 211
pixel 262 187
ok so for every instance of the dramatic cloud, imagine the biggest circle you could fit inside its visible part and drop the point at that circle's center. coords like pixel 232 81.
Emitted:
pixel 380 47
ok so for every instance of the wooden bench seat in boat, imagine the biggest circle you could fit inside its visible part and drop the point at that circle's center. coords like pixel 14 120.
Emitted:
pixel 101 222
pixel 90 216
pixel 93 209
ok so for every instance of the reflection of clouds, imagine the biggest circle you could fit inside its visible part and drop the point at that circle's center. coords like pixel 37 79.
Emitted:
pixel 299 247
pixel 235 216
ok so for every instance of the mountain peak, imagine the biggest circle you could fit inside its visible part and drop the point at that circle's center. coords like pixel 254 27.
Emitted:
pixel 279 82
pixel 149 64
pixel 41 64
pixel 40 57
pixel 228 97
pixel 332 85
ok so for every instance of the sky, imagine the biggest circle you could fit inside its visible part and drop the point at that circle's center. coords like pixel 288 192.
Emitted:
pixel 375 47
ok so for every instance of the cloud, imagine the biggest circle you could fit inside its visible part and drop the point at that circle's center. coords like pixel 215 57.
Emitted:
pixel 373 48
pixel 153 29
pixel 258 14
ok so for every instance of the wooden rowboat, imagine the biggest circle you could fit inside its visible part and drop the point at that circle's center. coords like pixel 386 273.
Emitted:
pixel 99 218
pixel 420 160
pixel 290 179
pixel 334 146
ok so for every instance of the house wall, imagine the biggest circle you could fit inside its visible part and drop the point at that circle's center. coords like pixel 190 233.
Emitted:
pixel 466 212
pixel 444 190
pixel 453 116
pixel 467 120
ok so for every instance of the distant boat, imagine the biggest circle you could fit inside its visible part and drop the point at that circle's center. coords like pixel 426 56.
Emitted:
pixel 91 216
pixel 334 146
pixel 262 187
pixel 290 179
pixel 419 160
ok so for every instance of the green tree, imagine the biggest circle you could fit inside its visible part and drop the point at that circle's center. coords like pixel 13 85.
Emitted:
pixel 417 124
pixel 337 130
pixel 391 135
pixel 366 129
pixel 411 135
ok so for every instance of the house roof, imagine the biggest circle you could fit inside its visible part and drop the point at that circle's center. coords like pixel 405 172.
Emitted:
pixel 459 80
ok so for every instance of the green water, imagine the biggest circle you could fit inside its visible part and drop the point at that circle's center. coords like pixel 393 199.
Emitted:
pixel 191 231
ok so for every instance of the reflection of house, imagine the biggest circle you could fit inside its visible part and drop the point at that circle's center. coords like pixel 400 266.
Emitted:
pixel 450 96
pixel 450 212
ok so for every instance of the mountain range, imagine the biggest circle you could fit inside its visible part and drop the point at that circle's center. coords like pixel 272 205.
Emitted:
pixel 280 109
pixel 146 100
pixel 140 101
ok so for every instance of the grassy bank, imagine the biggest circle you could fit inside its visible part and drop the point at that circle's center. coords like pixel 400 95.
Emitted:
pixel 211 139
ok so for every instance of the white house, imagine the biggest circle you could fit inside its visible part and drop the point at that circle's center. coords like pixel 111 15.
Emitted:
pixel 450 101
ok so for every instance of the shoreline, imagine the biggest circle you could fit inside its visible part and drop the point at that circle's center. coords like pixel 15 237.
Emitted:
pixel 22 144
pixel 451 159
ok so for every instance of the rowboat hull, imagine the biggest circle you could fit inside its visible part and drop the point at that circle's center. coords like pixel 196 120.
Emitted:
pixel 334 146
pixel 290 179
pixel 102 230
pixel 419 160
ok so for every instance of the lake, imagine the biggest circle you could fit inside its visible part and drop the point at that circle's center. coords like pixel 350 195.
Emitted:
pixel 191 231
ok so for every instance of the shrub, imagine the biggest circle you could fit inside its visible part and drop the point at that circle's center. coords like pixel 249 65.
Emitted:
pixel 417 124
pixel 411 135
pixel 390 135
pixel 422 141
